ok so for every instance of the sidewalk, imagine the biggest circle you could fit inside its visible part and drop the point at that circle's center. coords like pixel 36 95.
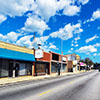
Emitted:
pixel 5 81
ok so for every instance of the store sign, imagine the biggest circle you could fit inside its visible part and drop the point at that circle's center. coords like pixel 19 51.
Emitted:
pixel 74 62
pixel 39 53
pixel 64 59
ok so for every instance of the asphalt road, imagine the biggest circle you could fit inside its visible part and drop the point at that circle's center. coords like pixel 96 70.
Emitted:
pixel 84 86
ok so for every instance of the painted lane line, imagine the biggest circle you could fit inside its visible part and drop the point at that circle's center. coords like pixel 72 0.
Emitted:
pixel 71 82
pixel 45 92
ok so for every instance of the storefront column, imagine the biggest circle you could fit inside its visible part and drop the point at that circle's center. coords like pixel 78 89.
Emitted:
pixel 50 68
pixel 33 69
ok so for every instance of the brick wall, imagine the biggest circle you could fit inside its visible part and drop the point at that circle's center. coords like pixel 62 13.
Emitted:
pixel 46 57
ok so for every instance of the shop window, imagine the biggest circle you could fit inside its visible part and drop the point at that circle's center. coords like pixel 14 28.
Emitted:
pixel 41 68
pixel 29 69
pixel 54 68
pixel 55 57
pixel 4 69
pixel 63 68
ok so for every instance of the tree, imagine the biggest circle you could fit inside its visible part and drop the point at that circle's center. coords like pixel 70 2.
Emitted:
pixel 82 60
pixel 88 61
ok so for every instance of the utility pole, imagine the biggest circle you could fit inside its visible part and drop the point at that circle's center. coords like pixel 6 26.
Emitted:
pixel 61 53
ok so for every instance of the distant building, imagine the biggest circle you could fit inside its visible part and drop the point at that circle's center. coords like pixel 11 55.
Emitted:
pixel 73 62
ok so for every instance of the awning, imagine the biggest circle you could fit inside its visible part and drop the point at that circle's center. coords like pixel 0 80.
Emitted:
pixel 16 55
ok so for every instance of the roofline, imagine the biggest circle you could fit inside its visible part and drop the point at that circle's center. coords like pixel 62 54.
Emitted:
pixel 16 45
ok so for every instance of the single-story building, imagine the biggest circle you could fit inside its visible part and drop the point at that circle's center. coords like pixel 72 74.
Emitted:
pixel 15 60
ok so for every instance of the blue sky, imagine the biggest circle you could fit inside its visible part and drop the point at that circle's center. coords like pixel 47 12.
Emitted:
pixel 75 22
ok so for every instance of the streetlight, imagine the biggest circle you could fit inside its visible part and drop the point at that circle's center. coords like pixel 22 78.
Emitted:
pixel 62 50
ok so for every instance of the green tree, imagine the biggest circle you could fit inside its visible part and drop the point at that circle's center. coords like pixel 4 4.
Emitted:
pixel 88 61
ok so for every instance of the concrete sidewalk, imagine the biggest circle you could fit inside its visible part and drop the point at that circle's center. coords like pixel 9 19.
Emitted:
pixel 5 81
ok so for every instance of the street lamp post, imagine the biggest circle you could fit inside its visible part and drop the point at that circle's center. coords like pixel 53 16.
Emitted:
pixel 61 54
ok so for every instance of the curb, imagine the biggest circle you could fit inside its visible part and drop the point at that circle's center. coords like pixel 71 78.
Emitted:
pixel 40 78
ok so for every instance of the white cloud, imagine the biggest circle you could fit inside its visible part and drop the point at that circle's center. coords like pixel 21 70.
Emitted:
pixel 71 10
pixel 35 24
pixel 46 8
pixel 67 32
pixel 15 7
pixel 83 1
pixel 52 46
pixel 72 44
pixel 97 45
pixel 25 41
pixel 95 15
pixel 77 38
pixel 87 49
pixel 71 49
pixel 10 37
pixel 49 8
pixel 28 42
pixel 95 54
pixel 91 39
pixel 98 28
pixel 2 18
pixel 76 45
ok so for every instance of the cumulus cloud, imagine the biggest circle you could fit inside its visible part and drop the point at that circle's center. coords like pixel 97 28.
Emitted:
pixel 25 41
pixel 71 10
pixel 71 49
pixel 87 49
pixel 95 15
pixel 15 7
pixel 76 45
pixel 2 18
pixel 67 32
pixel 52 46
pixel 35 24
pixel 91 39
pixel 46 8
pixel 83 1
pixel 10 37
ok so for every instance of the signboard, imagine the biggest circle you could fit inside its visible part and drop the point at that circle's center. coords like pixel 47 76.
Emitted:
pixel 39 53
pixel 74 62
pixel 64 59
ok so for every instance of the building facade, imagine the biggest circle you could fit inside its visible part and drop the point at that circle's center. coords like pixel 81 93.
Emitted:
pixel 58 60
pixel 73 62
pixel 50 63
pixel 42 65
pixel 15 60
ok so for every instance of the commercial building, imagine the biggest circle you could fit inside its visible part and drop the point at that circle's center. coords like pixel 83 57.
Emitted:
pixel 56 60
pixel 15 60
pixel 42 64
pixel 73 62
pixel 49 63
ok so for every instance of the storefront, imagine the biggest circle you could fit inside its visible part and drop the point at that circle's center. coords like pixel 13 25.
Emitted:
pixel 56 61
pixel 41 68
pixel 42 64
pixel 15 63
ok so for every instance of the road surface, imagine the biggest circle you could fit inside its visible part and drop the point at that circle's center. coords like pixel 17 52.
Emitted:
pixel 84 86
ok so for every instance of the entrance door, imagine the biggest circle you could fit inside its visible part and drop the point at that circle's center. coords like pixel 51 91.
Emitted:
pixel 10 69
pixel 16 70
